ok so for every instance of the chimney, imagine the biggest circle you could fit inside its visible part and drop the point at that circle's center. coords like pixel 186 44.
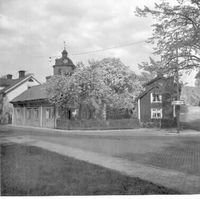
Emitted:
pixel 22 73
pixel 9 76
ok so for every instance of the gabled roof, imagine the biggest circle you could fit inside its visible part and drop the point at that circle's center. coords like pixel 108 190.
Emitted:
pixel 10 84
pixel 33 93
pixel 146 91
pixel 153 80
pixel 150 88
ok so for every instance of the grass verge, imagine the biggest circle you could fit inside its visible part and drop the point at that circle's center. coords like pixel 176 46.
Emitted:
pixel 31 171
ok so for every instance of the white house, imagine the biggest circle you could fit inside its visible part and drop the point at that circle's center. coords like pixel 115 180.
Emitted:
pixel 11 88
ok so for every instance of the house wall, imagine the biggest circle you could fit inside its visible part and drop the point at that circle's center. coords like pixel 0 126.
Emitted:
pixel 32 121
pixel 145 106
pixel 167 106
pixel 20 89
pixel 46 121
pixel 166 88
pixel 18 115
pixel 7 111
pixel 22 117
pixel 7 107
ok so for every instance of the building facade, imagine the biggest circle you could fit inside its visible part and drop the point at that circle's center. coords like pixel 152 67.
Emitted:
pixel 154 105
pixel 11 88
pixel 63 65
pixel 32 108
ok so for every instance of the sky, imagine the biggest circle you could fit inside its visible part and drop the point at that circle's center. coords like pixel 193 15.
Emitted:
pixel 31 31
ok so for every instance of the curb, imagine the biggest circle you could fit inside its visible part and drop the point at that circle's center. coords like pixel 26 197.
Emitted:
pixel 131 132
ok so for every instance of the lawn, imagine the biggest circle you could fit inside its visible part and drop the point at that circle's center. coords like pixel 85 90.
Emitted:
pixel 31 171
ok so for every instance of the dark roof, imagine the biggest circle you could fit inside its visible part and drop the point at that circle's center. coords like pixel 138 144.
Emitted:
pixel 148 88
pixel 146 91
pixel 33 93
pixel 153 80
pixel 61 62
pixel 149 83
pixel 9 83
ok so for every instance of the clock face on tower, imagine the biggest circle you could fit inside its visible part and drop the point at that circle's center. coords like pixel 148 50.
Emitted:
pixel 65 61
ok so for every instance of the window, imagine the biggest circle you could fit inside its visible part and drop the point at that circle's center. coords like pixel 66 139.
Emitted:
pixel 30 80
pixel 156 98
pixel 49 113
pixel 59 71
pixel 156 113
pixel 19 113
pixel 29 113
pixel 36 113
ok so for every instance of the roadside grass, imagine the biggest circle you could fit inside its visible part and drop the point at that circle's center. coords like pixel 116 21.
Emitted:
pixel 31 171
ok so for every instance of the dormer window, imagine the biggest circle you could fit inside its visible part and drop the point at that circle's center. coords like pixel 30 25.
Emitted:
pixel 30 80
pixel 156 98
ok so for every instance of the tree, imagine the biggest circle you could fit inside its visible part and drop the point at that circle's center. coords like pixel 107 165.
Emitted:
pixel 107 81
pixel 145 77
pixel 177 26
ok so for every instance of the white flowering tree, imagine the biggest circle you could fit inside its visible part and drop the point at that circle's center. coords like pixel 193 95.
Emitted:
pixel 101 83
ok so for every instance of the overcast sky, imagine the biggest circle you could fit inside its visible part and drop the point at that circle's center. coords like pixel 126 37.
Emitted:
pixel 33 30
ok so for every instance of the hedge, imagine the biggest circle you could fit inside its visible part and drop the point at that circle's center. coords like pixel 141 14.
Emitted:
pixel 97 124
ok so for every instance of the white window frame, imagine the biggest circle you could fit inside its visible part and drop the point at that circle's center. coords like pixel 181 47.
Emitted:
pixel 48 113
pixel 154 112
pixel 157 101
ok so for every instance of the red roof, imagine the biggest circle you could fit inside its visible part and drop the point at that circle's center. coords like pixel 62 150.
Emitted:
pixel 33 93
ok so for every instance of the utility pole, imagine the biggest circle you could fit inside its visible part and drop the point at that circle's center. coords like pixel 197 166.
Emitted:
pixel 177 85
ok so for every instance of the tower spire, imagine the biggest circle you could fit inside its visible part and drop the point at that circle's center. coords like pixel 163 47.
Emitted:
pixel 64 45
pixel 64 52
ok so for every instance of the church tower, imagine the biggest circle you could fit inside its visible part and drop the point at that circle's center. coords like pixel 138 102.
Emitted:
pixel 63 65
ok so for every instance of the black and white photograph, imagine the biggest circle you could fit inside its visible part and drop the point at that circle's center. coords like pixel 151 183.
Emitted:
pixel 100 98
